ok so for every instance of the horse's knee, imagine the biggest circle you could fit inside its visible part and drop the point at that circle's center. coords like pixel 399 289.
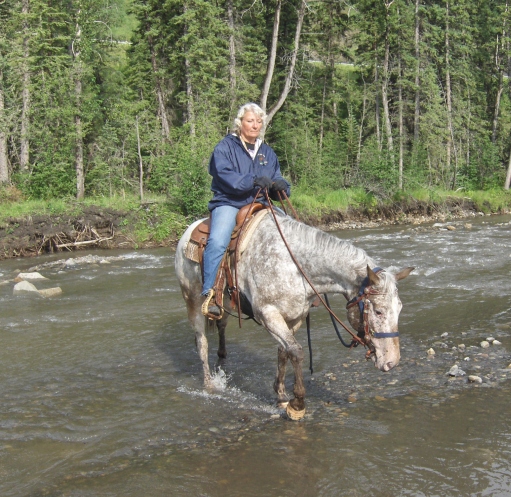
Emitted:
pixel 295 353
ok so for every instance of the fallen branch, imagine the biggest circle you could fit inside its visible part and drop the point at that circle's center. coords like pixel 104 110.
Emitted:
pixel 76 244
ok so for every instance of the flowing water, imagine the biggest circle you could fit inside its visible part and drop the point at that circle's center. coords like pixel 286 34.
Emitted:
pixel 100 388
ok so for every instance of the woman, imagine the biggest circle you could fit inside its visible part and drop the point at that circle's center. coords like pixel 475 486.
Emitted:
pixel 241 165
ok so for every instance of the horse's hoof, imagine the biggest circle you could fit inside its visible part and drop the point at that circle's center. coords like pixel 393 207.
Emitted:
pixel 283 404
pixel 293 414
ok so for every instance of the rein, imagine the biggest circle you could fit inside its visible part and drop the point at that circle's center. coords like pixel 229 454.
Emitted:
pixel 322 300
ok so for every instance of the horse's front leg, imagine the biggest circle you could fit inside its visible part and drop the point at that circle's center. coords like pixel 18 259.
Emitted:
pixel 296 407
pixel 279 384
pixel 289 348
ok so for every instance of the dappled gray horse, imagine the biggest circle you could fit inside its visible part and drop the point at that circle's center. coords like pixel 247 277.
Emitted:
pixel 280 297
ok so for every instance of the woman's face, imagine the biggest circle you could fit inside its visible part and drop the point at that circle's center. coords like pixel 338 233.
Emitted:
pixel 251 125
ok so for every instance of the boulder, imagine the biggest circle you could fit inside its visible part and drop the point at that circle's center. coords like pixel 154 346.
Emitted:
pixel 34 276
pixel 50 292
pixel 24 287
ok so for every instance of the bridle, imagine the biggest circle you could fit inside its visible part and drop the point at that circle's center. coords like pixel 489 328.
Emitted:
pixel 363 302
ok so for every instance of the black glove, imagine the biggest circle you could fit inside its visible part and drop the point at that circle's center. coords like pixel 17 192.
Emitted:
pixel 279 185
pixel 263 182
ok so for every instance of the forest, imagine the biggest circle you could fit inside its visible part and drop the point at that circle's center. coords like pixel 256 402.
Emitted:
pixel 104 98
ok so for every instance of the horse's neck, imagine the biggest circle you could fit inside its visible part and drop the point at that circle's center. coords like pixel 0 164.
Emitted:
pixel 332 265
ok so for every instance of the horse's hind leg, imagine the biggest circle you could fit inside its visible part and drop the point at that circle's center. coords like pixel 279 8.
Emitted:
pixel 198 322
pixel 221 324
pixel 279 384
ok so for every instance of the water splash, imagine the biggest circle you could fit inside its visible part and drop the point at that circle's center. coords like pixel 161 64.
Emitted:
pixel 220 379
pixel 230 394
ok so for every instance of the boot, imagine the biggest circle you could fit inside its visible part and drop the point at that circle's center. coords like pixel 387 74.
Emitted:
pixel 209 308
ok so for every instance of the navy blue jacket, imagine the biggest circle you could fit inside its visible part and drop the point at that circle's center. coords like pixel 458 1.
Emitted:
pixel 234 171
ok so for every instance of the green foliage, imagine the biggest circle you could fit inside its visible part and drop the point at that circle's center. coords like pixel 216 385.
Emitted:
pixel 190 65
pixel 484 171
pixel 157 222
pixel 182 173
pixel 377 171
pixel 47 181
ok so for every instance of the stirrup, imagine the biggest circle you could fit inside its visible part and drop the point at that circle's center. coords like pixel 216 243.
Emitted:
pixel 209 307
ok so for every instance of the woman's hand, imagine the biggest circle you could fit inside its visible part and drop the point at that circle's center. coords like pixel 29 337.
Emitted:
pixel 279 185
pixel 263 182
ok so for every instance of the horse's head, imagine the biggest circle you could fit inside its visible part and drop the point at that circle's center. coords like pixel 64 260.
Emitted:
pixel 374 313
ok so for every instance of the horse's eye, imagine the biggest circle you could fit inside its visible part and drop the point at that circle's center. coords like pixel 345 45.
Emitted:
pixel 378 313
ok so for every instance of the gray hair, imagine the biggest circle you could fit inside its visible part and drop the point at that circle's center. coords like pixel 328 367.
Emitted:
pixel 250 107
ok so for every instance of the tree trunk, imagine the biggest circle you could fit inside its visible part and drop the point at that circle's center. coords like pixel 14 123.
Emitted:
pixel 377 100
pixel 508 175
pixel 273 56
pixel 162 112
pixel 292 64
pixel 401 125
pixel 507 182
pixel 500 88
pixel 448 99
pixel 385 86
pixel 140 164
pixel 416 119
pixel 78 70
pixel 80 177
pixel 322 117
pixel 361 129
pixel 190 112
pixel 498 97
pixel 25 93
pixel 232 57
pixel 4 164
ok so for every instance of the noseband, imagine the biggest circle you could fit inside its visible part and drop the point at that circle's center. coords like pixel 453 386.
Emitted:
pixel 362 300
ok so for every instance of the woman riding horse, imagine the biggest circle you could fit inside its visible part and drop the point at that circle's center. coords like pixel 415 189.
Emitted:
pixel 241 166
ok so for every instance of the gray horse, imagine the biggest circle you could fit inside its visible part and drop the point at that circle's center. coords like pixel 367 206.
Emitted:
pixel 279 296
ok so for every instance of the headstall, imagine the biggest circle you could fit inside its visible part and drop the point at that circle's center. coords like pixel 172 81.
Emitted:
pixel 363 302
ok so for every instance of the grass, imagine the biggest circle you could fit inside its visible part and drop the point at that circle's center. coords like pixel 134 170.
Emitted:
pixel 157 220
pixel 331 201
pixel 486 201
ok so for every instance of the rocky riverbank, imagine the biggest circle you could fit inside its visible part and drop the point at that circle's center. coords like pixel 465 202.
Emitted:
pixel 103 228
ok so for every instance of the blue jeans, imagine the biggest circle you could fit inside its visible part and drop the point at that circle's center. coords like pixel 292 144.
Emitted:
pixel 223 220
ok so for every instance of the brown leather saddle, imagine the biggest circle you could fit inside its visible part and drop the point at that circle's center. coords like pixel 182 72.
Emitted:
pixel 199 239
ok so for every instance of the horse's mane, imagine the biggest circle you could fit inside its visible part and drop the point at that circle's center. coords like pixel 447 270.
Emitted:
pixel 344 250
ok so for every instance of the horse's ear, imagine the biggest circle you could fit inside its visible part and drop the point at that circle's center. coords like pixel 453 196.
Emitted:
pixel 373 277
pixel 404 273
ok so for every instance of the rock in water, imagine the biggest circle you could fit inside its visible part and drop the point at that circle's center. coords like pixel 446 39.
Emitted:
pixel 24 287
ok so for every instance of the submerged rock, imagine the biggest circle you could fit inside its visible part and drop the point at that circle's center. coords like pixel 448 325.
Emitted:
pixel 456 371
pixel 475 379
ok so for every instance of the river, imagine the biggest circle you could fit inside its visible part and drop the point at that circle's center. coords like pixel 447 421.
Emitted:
pixel 101 392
